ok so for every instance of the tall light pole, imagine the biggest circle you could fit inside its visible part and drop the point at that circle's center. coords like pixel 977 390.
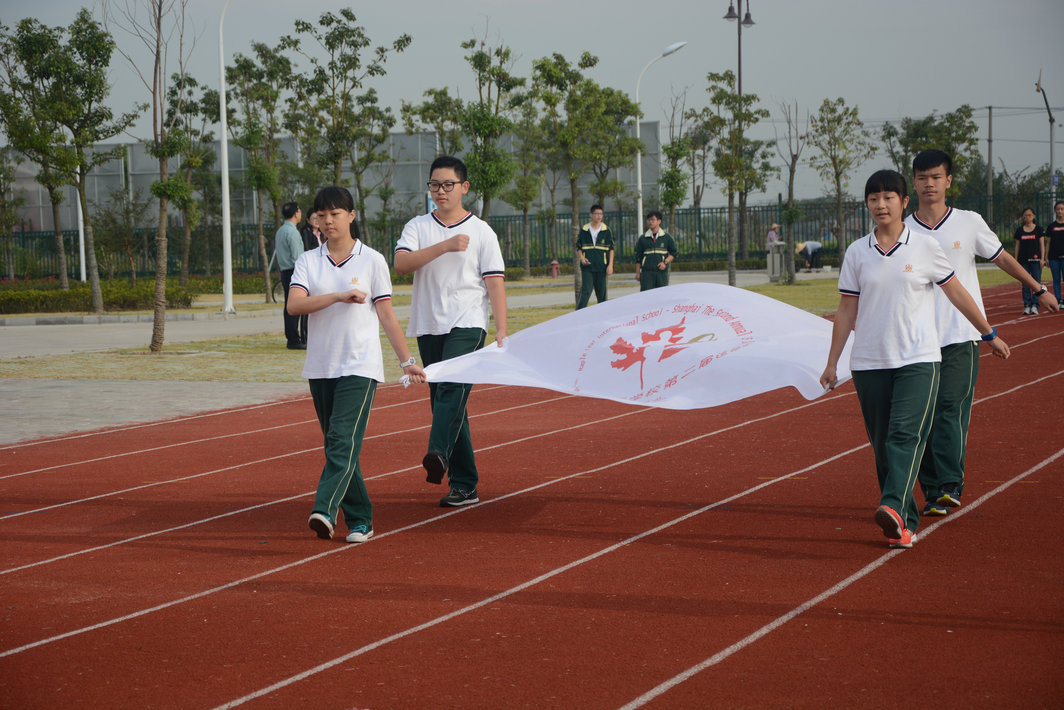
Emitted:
pixel 227 235
pixel 1052 164
pixel 675 47
pixel 747 21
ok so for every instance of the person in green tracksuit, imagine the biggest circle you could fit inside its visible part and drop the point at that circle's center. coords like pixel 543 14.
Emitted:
pixel 654 251
pixel 595 248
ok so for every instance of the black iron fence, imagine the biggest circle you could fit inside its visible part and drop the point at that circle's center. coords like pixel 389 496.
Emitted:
pixel 701 234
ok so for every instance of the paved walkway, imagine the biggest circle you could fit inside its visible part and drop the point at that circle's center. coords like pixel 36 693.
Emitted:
pixel 37 408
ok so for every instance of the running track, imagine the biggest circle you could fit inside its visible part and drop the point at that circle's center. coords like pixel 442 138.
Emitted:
pixel 622 557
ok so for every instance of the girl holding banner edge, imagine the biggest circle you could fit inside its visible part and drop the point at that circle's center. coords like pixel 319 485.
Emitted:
pixel 886 297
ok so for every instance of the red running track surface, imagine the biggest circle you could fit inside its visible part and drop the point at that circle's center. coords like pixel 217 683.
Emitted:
pixel 621 557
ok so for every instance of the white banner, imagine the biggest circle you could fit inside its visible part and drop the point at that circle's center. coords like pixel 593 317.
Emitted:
pixel 681 347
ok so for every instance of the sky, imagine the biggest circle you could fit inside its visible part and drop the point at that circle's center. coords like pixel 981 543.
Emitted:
pixel 890 59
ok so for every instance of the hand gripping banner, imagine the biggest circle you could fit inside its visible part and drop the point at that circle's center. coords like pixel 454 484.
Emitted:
pixel 686 346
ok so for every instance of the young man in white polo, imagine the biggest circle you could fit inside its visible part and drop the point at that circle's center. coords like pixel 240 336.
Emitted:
pixel 458 276
pixel 963 235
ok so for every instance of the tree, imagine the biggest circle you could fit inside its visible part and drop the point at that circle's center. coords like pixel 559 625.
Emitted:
pixel 327 89
pixel 731 114
pixel 756 155
pixel 584 121
pixel 673 178
pixel 9 206
pixel 616 149
pixel 81 67
pixel 838 134
pixel 526 183
pixel 487 119
pixel 439 113
pixel 164 19
pixel 369 149
pixel 954 132
pixel 193 116
pixel 30 89
pixel 795 141
pixel 118 221
pixel 257 86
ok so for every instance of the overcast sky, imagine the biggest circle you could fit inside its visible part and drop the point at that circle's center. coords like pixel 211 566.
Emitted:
pixel 891 59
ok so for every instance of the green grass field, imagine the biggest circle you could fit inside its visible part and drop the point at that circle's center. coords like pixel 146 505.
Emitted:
pixel 263 358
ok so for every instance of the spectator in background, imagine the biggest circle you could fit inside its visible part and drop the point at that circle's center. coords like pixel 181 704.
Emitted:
pixel 312 239
pixel 1030 251
pixel 288 245
pixel 595 249
pixel 1055 249
pixel 810 251
pixel 654 251
pixel 773 236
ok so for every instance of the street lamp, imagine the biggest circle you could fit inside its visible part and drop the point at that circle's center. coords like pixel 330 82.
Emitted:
pixel 747 21
pixel 1052 166
pixel 675 47
pixel 227 236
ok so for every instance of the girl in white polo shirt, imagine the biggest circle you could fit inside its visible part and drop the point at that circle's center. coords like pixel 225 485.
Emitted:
pixel 886 285
pixel 346 288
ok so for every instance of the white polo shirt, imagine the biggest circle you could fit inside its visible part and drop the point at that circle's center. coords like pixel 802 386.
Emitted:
pixel 962 235
pixel 449 291
pixel 895 308
pixel 344 338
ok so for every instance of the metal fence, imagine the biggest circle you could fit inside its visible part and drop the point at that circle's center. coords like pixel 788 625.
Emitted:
pixel 701 234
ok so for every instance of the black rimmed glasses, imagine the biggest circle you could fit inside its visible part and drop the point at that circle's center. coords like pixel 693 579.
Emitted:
pixel 446 186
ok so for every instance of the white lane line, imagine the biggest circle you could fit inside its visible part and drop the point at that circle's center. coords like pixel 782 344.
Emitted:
pixel 826 594
pixel 230 513
pixel 249 433
pixel 443 516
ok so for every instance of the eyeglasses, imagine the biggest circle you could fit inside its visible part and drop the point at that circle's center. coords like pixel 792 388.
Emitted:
pixel 445 186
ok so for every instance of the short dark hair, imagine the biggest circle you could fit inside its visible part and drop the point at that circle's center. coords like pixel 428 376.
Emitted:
pixel 887 181
pixel 654 213
pixel 932 158
pixel 449 161
pixel 1058 203
pixel 289 209
pixel 337 198
pixel 595 207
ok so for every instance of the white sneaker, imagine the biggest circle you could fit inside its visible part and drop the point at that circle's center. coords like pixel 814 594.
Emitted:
pixel 1027 310
pixel 360 533
pixel 1034 310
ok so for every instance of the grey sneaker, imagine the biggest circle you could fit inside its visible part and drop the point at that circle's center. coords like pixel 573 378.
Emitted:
pixel 360 533
pixel 458 497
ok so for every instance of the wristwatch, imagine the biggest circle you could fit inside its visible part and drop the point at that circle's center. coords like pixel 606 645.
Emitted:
pixel 408 363
pixel 1044 289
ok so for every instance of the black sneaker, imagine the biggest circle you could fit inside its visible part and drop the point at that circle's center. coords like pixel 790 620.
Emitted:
pixel 435 466
pixel 950 496
pixel 458 497
pixel 935 508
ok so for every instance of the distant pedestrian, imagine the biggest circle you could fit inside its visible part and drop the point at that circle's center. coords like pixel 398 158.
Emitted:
pixel 1030 251
pixel 810 252
pixel 1055 250
pixel 655 250
pixel 595 249
pixel 772 237
pixel 288 245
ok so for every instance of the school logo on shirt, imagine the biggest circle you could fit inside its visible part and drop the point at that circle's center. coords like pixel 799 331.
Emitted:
pixel 908 268
pixel 957 245
pixel 354 281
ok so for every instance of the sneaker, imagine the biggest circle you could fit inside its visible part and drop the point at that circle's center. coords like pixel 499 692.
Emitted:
pixel 459 497
pixel 321 525
pixel 905 541
pixel 435 466
pixel 1027 310
pixel 360 533
pixel 950 495
pixel 935 508
pixel 890 521
pixel 1034 310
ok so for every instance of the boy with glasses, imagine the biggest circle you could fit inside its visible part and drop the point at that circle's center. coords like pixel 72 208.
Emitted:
pixel 458 273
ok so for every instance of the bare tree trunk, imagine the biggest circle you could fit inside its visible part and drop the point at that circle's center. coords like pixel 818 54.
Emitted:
pixel 263 257
pixel 731 236
pixel 840 231
pixel 90 250
pixel 186 248
pixel 60 245
pixel 527 244
pixel 485 207
pixel 158 328
pixel 574 234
